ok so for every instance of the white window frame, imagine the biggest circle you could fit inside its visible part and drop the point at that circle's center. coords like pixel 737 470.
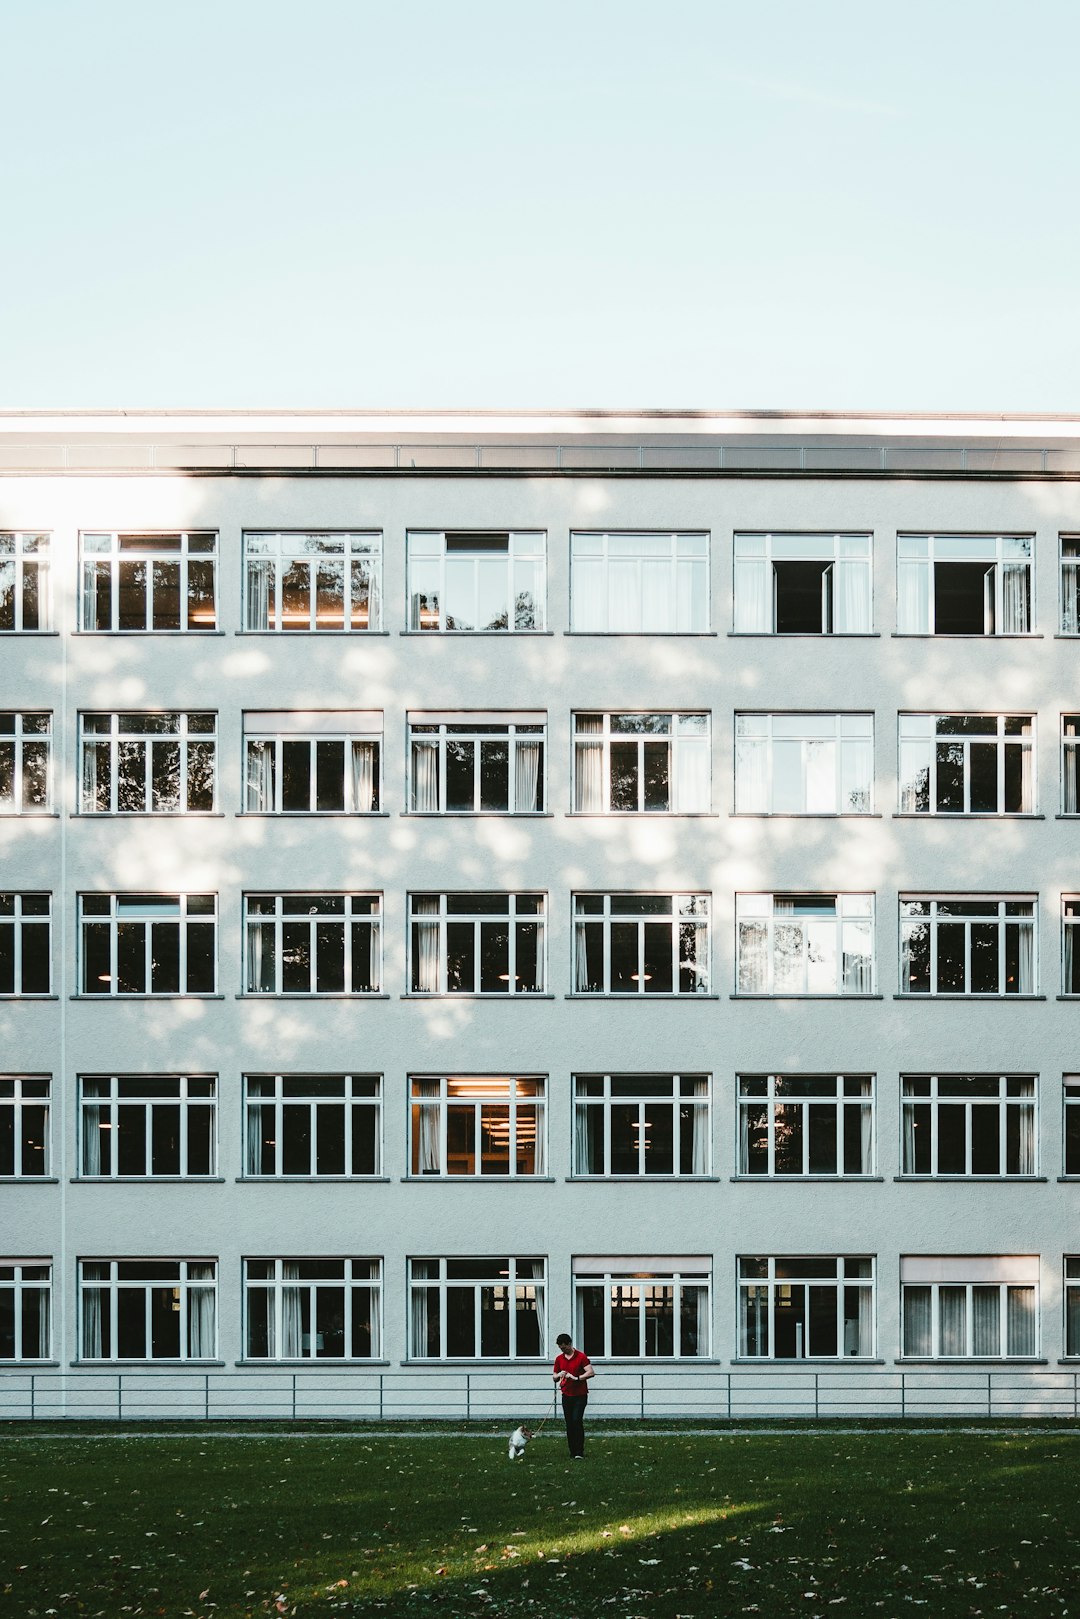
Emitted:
pixel 526 558
pixel 920 1108
pixel 919 742
pixel 664 1277
pixel 1070 764
pixel 686 914
pixel 436 922
pixel 26 555
pixel 851 917
pixel 16 742
pixel 111 741
pixel 512 1277
pixel 836 1092
pixel 685 555
pixel 1069 579
pixel 16 1280
pixel 19 1100
pixel 183 1287
pixel 431 733
pixel 269 554
pixel 265 736
pixel 1070 1101
pixel 996 912
pixel 1070 945
pixel 101 550
pixel 689 760
pixel 689 1094
pixel 849 559
pixel 349 1281
pixel 832 1272
pixel 288 910
pixel 434 1097
pixel 275 1108
pixel 916 560
pixel 148 911
pixel 18 919
pixel 105 1109
pixel 1070 1301
pixel 849 739
pixel 1007 1273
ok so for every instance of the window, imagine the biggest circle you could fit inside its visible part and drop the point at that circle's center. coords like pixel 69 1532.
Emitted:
pixel 476 764
pixel 24 1126
pixel 641 1124
pixel 309 1125
pixel 147 944
pixel 802 584
pixel 1071 1090
pixel 967 764
pixel 24 763
pixel 795 1308
pixel 806 1124
pixel 804 764
pixel 960 1307
pixel 312 763
pixel 641 944
pixel 312 1309
pixel 965 945
pixel 149 582
pixel 1070 584
pixel 643 1308
pixel 641 763
pixel 639 583
pixel 476 581
pixel 24 583
pixel 1070 764
pixel 147 1309
pixel 25 944
pixel 147 764
pixel 312 944
pixel 146 1125
pixel 1072 1304
pixel 963 584
pixel 968 1124
pixel 1070 945
pixel 477 1125
pixel 477 1309
pixel 25 1312
pixel 805 944
pixel 477 944
pixel 305 582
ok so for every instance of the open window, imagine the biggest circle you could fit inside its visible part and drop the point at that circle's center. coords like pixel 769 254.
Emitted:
pixel 802 584
pixel 963 584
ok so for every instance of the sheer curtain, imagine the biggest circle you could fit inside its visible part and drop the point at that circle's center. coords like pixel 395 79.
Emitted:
pixel 374 1294
pixel 91 1323
pixel 292 1314
pixel 90 775
pixel 1026 985
pixel 541 1313
pixel 866 1321
pixel 699 1147
pixel 1026 1143
pixel 43 1327
pixel 624 594
pixel 692 774
pixel 1015 617
pixel 701 1321
pixel 260 776
pixel 918 1321
pixel 1069 952
pixel 852 595
pixel 429 1113
pixel 752 775
pixel 913 597
pixel 1070 597
pixel 1020 1321
pixel 425 777
pixel 1070 767
pixel 91 1138
pixel 858 958
pixel 1027 781
pixel 260 577
pixel 253 1138
pixel 363 777
pixel 752 595
pixel 526 774
pixel 419 1302
pixel 94 574
pixel 539 1113
pixel 952 1321
pixel 866 1130
pixel 589 766
pixel 201 1312
pixel 585 1121
pixel 426 965
pixel 985 1321
pixel 260 958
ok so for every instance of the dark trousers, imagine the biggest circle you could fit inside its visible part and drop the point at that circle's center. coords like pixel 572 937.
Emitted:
pixel 573 1411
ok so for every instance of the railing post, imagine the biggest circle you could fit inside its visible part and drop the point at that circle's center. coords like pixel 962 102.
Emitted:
pixel 903 1396
pixel 32 1394
pixel 468 1396
pixel 381 1375
pixel 989 1394
pixel 119 1396
pixel 816 1411
pixel 729 1396
pixel 206 1396
pixel 294 1396
pixel 641 1402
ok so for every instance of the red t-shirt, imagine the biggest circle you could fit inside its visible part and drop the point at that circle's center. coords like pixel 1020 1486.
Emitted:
pixel 574 1386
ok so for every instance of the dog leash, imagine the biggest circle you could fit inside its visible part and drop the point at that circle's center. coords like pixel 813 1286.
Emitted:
pixel 548 1415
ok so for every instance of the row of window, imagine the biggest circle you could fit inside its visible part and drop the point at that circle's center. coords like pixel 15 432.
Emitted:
pixel 495 944
pixel 789 1308
pixel 487 580
pixel 483 1125
pixel 482 763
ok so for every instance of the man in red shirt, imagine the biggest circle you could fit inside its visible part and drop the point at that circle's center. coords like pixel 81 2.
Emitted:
pixel 571 1372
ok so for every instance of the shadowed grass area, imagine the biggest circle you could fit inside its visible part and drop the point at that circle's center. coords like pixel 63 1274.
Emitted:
pixel 657 1524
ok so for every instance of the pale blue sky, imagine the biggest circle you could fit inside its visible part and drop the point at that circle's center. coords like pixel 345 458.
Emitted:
pixel 474 203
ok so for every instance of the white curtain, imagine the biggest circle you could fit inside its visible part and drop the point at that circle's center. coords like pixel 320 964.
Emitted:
pixel 260 576
pixel 692 774
pixel 752 595
pixel 426 965
pixel 851 601
pixel 1015 618
pixel 1026 1144
pixel 821 778
pixel 90 775
pixel 624 603
pixel 260 776
pixel 292 1315
pixel 419 1299
pixel 752 775
pixel 866 1321
pixel 541 1316
pixel 91 1137
pixel 918 1321
pixel 1020 1321
pixel 589 766
pixel 701 1320
pixel 91 1323
pixel 866 1129
pixel 425 777
pixel 253 1137
pixel 374 1321
pixel 858 958
pixel 260 961
pixel 1027 959
pixel 363 777
pixel 581 959
pixel 986 1320
pixel 540 1151
pixel 952 1320
pixel 201 1313
pixel 1070 766
pixel 429 1139
pixel 1070 598
pixel 43 1327
pixel 913 597
pixel 91 580
pixel 1069 930
pixel 585 1119
pixel 526 774
pixel 1027 781
pixel 908 1165
pixel 699 1149
pixel 856 775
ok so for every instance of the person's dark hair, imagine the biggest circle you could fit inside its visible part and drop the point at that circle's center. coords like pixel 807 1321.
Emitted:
pixel 564 1338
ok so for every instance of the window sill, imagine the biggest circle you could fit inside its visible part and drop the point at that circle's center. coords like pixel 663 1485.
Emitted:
pixel 749 995
pixel 29 815
pixel 1067 997
pixel 141 1180
pixel 29 1365
pixel 953 1180
pixel 974 815
pixel 641 1180
pixel 146 815
pixel 10 997
pixel 808 1360
pixel 479 1180
pixel 628 997
pixel 309 1363
pixel 296 635
pixel 29 1180
pixel 1059 635
pixel 1069 1177
pixel 649 635
pixel 476 815
pixel 450 1362
pixel 806 815
pixel 982 998
pixel 313 995
pixel 171 995
pixel 505 635
pixel 971 1360
pixel 470 995
pixel 309 1180
pixel 43 635
pixel 642 815
pixel 311 815
pixel 163 1365
pixel 932 635
pixel 660 1361
pixel 809 1180
pixel 86 634
pixel 1074 815
pixel 804 635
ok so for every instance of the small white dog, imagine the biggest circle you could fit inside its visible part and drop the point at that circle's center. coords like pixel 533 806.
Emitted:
pixel 518 1440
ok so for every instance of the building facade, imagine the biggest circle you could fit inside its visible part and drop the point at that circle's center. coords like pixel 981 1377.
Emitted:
pixel 468 877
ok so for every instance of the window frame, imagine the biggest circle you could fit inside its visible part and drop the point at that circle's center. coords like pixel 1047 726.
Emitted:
pixel 676 918
pixel 18 919
pixel 752 547
pixel 350 1283
pixel 842 1100
pixel 679 744
pixel 111 1104
pixel 981 1273
pixel 350 1102
pixel 435 730
pixel 29 552
pixel 17 739
pixel 841 765
pixel 909 558
pixel 676 1100
pixel 1065 628
pixel 442 918
pixel 112 1285
pixel 1005 1104
pixel 117 738
pixel 999 916
pixel 184 918
pixel 646 1274
pixel 932 740
pixel 357 547
pixel 115 553
pixel 313 728
pixel 1070 1306
pixel 485 1095
pixel 838 1281
pixel 1069 753
pixel 746 916
pixel 534 556
pixel 516 1285
pixel 21 1286
pixel 1070 946
pixel 20 1102
pixel 350 919
pixel 681 590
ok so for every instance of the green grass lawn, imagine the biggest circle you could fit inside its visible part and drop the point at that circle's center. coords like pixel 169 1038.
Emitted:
pixel 658 1525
